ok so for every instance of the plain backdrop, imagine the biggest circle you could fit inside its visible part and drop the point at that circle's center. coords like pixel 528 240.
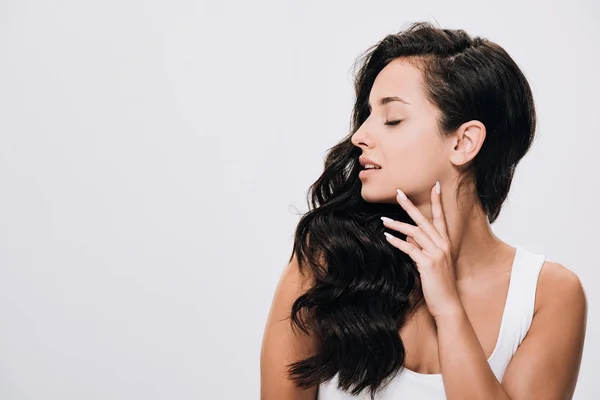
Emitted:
pixel 155 155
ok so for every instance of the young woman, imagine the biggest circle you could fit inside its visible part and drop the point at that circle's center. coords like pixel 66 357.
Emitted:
pixel 397 287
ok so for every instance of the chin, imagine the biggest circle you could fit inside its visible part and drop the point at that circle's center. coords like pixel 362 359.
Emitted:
pixel 372 196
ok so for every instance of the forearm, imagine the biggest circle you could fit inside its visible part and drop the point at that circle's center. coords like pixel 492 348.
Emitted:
pixel 465 370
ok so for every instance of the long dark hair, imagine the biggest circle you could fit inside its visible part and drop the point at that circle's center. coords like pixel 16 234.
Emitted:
pixel 364 289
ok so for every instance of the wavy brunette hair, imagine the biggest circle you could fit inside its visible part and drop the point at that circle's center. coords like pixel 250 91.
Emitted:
pixel 362 288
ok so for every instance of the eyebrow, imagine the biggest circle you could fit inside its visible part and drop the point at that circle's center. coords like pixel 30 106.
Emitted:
pixel 385 100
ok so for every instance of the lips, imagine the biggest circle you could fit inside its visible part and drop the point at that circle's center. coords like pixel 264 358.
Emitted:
pixel 365 173
pixel 365 161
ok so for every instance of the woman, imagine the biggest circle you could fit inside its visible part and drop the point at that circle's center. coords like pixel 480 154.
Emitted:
pixel 408 294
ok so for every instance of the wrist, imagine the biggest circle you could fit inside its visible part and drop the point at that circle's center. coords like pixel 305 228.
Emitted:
pixel 452 312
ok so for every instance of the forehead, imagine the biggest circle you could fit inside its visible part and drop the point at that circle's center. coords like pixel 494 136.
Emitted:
pixel 398 78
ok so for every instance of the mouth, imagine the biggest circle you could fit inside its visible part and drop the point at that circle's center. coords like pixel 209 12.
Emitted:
pixel 368 171
pixel 368 165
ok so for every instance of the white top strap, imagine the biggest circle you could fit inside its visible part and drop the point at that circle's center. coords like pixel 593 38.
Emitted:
pixel 520 305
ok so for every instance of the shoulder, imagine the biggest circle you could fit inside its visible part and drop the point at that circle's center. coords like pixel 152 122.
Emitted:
pixel 556 337
pixel 281 343
pixel 559 289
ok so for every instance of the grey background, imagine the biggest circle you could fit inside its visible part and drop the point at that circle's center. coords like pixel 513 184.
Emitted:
pixel 153 157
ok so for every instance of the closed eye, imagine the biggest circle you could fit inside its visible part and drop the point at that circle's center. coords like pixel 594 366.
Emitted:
pixel 392 123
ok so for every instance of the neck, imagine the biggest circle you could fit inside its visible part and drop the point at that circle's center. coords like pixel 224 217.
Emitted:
pixel 475 247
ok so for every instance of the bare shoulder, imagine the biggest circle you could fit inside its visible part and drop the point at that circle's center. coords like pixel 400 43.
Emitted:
pixel 556 337
pixel 559 288
pixel 282 345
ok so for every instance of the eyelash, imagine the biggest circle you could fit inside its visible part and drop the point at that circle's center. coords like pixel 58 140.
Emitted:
pixel 392 123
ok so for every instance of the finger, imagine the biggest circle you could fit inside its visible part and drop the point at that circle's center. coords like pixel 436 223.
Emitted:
pixel 419 218
pixel 437 210
pixel 409 239
pixel 420 237
pixel 410 249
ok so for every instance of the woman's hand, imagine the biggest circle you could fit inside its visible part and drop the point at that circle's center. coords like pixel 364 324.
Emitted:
pixel 429 246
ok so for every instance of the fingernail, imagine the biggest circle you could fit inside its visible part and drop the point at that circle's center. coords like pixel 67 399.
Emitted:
pixel 401 193
pixel 438 189
pixel 387 219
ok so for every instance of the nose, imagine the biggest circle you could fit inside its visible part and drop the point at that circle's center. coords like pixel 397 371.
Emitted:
pixel 360 138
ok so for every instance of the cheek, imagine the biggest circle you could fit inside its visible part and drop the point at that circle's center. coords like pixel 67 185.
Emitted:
pixel 412 154
pixel 416 162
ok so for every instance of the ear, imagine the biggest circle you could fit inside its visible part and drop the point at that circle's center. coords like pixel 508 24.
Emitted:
pixel 466 142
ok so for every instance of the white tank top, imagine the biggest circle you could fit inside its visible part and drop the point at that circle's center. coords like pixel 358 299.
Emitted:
pixel 516 320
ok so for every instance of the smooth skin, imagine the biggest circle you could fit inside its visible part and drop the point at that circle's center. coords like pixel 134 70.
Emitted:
pixel 464 366
pixel 280 345
pixel 414 156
